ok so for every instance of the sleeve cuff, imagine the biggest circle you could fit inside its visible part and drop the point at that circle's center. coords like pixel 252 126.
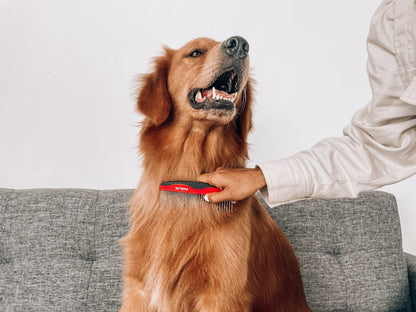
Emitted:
pixel 286 181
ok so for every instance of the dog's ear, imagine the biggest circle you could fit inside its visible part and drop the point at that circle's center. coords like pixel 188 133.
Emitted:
pixel 154 100
pixel 244 121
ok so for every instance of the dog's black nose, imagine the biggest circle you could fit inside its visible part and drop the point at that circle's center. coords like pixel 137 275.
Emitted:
pixel 236 47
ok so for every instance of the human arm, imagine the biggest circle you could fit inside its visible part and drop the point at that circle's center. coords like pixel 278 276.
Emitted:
pixel 379 146
pixel 342 167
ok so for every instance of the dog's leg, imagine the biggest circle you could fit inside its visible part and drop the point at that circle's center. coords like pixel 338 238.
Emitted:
pixel 134 297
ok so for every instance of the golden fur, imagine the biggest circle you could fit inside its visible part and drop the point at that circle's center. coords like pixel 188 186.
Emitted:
pixel 195 257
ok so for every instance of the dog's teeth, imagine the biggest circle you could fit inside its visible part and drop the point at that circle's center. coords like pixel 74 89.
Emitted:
pixel 198 97
pixel 234 97
pixel 213 93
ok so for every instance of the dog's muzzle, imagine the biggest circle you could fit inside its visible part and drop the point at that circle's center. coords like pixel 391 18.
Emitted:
pixel 223 91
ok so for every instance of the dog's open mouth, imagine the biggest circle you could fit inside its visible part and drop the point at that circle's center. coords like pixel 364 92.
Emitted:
pixel 220 95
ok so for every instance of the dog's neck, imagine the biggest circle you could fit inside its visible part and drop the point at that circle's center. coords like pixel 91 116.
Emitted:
pixel 184 151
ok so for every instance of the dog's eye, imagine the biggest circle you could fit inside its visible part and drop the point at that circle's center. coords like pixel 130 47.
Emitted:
pixel 195 53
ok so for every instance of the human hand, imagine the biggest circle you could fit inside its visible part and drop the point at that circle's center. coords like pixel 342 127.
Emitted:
pixel 236 184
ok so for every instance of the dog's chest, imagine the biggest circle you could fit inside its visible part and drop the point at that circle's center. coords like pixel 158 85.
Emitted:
pixel 185 263
pixel 174 271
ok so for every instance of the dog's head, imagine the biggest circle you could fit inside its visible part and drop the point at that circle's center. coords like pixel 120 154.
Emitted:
pixel 205 81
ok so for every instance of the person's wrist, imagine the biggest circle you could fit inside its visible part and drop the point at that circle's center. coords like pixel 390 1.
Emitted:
pixel 258 178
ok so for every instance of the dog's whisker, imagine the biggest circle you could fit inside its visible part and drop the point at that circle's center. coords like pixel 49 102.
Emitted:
pixel 206 73
pixel 243 101
pixel 201 76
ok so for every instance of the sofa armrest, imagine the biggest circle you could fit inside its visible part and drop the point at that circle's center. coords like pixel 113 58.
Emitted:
pixel 411 269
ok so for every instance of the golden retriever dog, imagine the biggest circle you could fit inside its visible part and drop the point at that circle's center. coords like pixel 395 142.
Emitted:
pixel 197 105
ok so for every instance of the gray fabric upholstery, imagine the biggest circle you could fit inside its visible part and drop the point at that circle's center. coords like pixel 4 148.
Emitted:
pixel 59 251
pixel 411 267
pixel 350 252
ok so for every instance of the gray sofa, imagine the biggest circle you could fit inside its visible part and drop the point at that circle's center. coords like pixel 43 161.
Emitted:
pixel 59 251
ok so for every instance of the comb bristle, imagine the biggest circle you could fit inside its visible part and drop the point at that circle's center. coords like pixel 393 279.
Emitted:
pixel 225 206
pixel 182 199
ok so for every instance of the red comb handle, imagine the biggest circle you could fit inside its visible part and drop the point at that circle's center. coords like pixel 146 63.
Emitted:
pixel 188 187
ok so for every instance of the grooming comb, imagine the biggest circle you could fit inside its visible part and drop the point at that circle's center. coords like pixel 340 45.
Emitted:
pixel 199 189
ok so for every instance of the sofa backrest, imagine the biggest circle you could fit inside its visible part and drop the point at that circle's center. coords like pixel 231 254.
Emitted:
pixel 350 252
pixel 59 250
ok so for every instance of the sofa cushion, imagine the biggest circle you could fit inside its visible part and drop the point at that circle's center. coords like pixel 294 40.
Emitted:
pixel 59 249
pixel 350 252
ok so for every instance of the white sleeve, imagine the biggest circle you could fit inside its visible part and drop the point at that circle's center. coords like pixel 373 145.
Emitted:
pixel 365 158
pixel 379 146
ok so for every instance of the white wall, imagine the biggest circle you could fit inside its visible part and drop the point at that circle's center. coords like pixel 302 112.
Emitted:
pixel 68 70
